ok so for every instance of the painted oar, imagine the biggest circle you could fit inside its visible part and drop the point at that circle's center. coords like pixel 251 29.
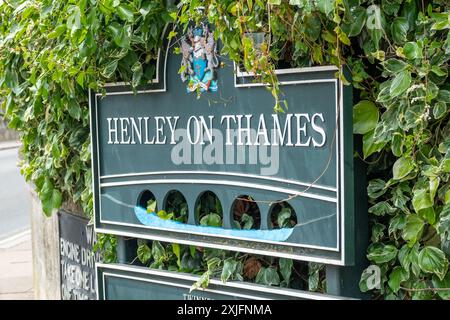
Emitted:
pixel 152 220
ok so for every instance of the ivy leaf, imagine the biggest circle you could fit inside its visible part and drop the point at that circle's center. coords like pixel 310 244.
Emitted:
pixel 439 109
pixel 399 30
pixel 125 12
pixel 192 251
pixel 442 21
pixel 400 83
pixel 428 215
pixel 286 269
pixel 412 50
pixel 137 74
pixel 441 284
pixel 74 109
pixel 109 69
pixel 397 144
pixel 151 206
pixel 158 251
pixel 365 117
pixel 371 146
pixel 202 282
pixel 444 95
pixel 376 188
pixel 313 275
pixel 236 225
pixel 212 220
pixel 399 199
pixel 397 276
pixel 358 16
pixel 248 221
pixel 51 201
pixel 325 6
pixel 268 276
pixel 171 35
pixel 445 165
pixel 414 258
pixel 381 208
pixel 397 222
pixel 384 95
pixel 438 71
pixel 74 19
pixel 421 200
pixel 433 260
pixel 177 252
pixel 296 2
pixel 164 215
pixel 144 253
pixel 381 253
pixel 394 65
pixel 403 257
pixel 379 55
pixel 444 220
pixel 120 34
pixel 342 37
pixel 59 30
pixel 413 228
pixel 377 232
pixel 283 217
pixel 313 27
pixel 402 167
pixel 229 268
pixel 80 78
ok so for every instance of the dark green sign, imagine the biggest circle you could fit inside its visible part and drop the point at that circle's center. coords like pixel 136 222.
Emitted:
pixel 120 282
pixel 217 131
pixel 77 257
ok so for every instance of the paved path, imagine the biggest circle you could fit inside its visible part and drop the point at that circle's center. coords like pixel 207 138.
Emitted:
pixel 15 199
pixel 16 271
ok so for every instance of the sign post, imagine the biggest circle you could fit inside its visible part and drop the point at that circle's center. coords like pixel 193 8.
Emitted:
pixel 76 240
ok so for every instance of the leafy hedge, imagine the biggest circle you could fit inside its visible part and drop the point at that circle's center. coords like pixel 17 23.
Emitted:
pixel 52 51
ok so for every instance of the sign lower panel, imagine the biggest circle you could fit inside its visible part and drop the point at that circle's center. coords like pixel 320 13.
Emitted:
pixel 124 282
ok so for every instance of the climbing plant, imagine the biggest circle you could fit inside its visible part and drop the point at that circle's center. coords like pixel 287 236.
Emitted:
pixel 397 52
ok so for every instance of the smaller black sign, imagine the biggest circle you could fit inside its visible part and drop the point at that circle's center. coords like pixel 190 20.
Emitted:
pixel 77 259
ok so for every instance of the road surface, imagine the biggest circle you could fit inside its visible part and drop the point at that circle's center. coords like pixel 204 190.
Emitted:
pixel 15 199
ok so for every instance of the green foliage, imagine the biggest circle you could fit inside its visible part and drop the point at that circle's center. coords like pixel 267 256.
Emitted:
pixel 151 206
pixel 52 52
pixel 212 220
pixel 314 280
pixel 268 276
pixel 107 244
pixel 144 252
pixel 365 117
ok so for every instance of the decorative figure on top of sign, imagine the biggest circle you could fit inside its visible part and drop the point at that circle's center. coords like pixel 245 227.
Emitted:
pixel 199 60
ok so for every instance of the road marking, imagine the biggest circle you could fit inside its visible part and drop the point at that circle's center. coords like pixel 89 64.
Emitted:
pixel 15 239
